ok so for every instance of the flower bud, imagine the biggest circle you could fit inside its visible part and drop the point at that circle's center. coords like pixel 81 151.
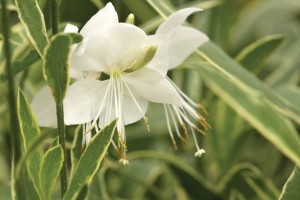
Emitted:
pixel 130 19
pixel 145 57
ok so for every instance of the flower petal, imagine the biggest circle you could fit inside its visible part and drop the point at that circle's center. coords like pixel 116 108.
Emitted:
pixel 152 86
pixel 160 61
pixel 83 100
pixel 175 20
pixel 126 43
pixel 184 41
pixel 92 55
pixel 103 19
pixel 44 109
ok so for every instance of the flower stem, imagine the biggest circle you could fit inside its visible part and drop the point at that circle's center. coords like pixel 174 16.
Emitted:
pixel 61 135
pixel 14 127
pixel 54 16
pixel 59 106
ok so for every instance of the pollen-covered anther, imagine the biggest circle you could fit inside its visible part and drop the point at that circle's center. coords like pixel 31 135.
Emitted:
pixel 174 144
pixel 203 109
pixel 147 124
pixel 204 123
pixel 200 131
pixel 185 131
pixel 121 143
pixel 183 140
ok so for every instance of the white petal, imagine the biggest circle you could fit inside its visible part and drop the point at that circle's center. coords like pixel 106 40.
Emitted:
pixel 75 74
pixel 92 55
pixel 184 41
pixel 83 100
pixel 70 28
pixel 160 61
pixel 131 112
pixel 153 87
pixel 44 109
pixel 103 19
pixel 175 20
pixel 126 42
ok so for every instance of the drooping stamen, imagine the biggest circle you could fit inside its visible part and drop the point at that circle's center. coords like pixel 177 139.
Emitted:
pixel 137 105
pixel 175 124
pixel 169 127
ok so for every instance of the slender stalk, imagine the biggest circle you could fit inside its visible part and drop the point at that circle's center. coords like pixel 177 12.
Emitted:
pixel 54 16
pixel 14 127
pixel 59 106
pixel 61 135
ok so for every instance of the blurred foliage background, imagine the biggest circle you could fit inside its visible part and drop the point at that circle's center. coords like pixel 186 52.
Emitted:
pixel 239 163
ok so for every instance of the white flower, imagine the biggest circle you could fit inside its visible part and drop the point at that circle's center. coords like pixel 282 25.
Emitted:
pixel 136 66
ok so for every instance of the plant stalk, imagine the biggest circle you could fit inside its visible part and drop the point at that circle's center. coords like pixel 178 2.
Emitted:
pixel 61 135
pixel 13 115
pixel 59 105
pixel 54 16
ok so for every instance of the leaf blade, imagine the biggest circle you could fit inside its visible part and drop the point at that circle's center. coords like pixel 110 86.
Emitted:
pixel 32 18
pixel 90 160
pixel 49 170
pixel 253 106
pixel 29 130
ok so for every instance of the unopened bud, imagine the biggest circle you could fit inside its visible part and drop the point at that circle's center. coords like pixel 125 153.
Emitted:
pixel 130 19
pixel 145 57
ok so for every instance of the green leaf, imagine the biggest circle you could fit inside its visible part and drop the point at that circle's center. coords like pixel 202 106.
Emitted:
pixel 198 184
pixel 29 130
pixel 222 62
pixel 249 181
pixel 254 107
pixel 32 19
pixel 76 147
pixel 56 66
pixel 291 189
pixel 255 53
pixel 90 161
pixel 29 59
pixel 49 170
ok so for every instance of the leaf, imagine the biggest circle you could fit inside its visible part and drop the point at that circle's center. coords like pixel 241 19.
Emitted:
pixel 249 181
pixel 255 53
pixel 76 147
pixel 254 107
pixel 198 185
pixel 227 66
pixel 90 161
pixel 32 19
pixel 29 59
pixel 49 170
pixel 29 130
pixel 56 66
pixel 291 189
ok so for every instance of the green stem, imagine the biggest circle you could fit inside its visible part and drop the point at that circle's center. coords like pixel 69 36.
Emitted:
pixel 61 135
pixel 54 16
pixel 14 127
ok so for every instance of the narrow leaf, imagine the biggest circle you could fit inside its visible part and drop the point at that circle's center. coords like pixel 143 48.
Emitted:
pixel 90 161
pixel 76 147
pixel 32 19
pixel 254 54
pixel 253 106
pixel 29 130
pixel 29 59
pixel 56 67
pixel 49 171
pixel 291 189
